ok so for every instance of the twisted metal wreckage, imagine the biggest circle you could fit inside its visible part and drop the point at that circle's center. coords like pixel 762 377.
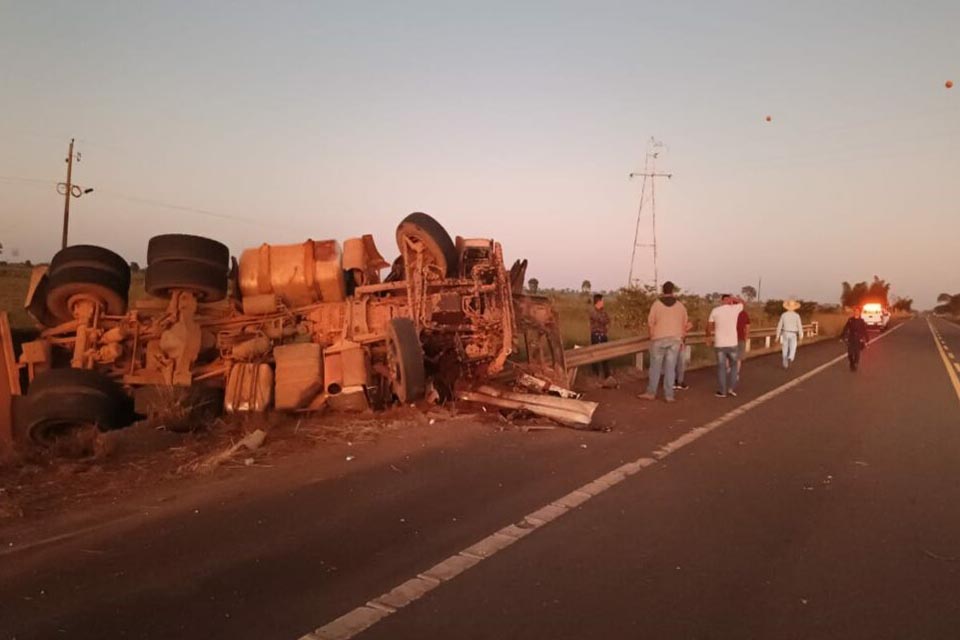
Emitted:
pixel 296 327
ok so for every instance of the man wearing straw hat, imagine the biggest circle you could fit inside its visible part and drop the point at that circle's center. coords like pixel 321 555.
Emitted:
pixel 789 331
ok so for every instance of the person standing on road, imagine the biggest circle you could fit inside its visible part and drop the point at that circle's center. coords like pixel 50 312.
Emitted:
pixel 599 324
pixel 789 331
pixel 856 336
pixel 668 324
pixel 722 324
pixel 743 334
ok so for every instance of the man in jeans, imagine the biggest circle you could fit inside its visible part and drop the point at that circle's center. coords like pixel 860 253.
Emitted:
pixel 682 361
pixel 668 325
pixel 722 324
pixel 790 331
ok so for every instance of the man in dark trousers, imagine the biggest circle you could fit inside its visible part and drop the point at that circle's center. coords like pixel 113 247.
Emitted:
pixel 599 322
pixel 855 334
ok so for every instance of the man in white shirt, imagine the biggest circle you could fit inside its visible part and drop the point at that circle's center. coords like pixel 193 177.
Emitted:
pixel 789 331
pixel 722 324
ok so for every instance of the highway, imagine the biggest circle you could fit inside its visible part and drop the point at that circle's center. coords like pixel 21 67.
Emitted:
pixel 818 504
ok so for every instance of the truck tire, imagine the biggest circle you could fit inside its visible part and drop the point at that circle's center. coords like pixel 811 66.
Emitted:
pixel 180 246
pixel 62 400
pixel 69 283
pixel 204 280
pixel 423 229
pixel 405 361
pixel 90 256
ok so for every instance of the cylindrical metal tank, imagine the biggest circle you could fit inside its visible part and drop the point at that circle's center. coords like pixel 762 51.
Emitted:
pixel 298 274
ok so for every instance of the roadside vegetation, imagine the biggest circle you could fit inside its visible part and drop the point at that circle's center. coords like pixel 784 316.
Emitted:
pixel 628 309
pixel 948 305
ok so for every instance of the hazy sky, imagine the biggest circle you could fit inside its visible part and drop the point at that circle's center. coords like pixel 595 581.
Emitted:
pixel 516 120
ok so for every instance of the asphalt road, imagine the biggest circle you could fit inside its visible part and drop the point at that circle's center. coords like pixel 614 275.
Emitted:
pixel 830 510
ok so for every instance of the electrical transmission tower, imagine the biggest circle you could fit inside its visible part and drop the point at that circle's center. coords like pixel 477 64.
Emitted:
pixel 647 194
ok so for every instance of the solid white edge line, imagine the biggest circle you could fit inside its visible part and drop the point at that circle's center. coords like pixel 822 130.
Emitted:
pixel 363 617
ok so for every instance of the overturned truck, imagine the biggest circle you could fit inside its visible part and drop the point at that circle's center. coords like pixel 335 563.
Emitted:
pixel 291 327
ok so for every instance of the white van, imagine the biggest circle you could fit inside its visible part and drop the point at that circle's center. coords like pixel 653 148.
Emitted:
pixel 875 315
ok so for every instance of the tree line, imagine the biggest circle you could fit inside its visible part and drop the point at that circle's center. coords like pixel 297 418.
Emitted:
pixel 851 295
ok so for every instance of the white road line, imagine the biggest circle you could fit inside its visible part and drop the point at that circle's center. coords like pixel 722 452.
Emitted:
pixel 364 617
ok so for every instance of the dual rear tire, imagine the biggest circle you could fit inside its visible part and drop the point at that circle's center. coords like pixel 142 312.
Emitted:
pixel 86 272
pixel 181 262
pixel 63 401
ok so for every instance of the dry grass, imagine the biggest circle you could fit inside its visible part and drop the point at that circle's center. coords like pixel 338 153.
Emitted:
pixel 14 281
pixel 831 324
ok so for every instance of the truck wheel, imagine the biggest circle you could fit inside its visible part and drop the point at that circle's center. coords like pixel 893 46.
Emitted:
pixel 204 280
pixel 405 360
pixel 180 246
pixel 60 401
pixel 90 256
pixel 71 284
pixel 439 250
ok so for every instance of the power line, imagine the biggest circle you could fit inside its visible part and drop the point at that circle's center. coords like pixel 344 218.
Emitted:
pixel 175 207
pixel 138 200
pixel 28 180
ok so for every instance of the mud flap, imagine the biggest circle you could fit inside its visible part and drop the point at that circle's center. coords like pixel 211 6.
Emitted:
pixel 9 382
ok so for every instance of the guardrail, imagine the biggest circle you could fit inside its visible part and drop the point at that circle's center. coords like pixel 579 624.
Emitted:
pixel 580 356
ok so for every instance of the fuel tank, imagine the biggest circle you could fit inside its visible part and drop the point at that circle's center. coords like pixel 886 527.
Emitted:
pixel 298 274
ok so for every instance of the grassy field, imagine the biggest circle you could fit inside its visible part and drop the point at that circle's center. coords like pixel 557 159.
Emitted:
pixel 14 280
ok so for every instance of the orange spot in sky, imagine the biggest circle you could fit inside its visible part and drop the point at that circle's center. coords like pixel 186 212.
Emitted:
pixel 948 84
pixel 769 118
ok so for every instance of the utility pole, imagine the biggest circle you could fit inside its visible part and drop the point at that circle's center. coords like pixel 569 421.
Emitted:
pixel 649 173
pixel 66 195
pixel 69 190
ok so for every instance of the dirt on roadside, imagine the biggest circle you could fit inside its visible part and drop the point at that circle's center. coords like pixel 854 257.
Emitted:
pixel 95 468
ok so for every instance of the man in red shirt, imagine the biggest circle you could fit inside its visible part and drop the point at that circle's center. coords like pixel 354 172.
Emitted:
pixel 743 332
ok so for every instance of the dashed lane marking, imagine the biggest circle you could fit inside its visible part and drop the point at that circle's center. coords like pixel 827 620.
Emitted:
pixel 951 371
pixel 365 616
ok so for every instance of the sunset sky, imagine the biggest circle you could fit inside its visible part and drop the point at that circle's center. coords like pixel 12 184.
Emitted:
pixel 282 121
